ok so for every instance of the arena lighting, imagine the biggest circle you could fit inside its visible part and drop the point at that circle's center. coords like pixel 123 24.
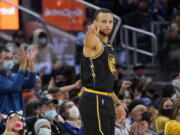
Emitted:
pixel 72 12
pixel 9 16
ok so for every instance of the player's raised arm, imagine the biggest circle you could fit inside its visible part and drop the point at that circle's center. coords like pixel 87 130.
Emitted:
pixel 92 43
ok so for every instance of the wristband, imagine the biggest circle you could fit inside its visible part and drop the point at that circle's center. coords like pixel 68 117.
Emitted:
pixel 22 69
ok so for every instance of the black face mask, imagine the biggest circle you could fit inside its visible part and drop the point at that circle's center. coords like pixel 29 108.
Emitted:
pixel 120 76
pixel 61 84
pixel 167 112
pixel 146 116
pixel 17 44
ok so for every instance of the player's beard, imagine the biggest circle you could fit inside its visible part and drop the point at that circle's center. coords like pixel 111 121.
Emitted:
pixel 104 33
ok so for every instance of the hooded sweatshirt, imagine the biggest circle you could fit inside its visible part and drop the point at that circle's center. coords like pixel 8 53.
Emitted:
pixel 46 56
pixel 44 51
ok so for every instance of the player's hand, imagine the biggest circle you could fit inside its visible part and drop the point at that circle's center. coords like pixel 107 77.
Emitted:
pixel 94 28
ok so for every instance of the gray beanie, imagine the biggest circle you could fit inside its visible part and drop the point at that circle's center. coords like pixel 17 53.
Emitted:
pixel 39 123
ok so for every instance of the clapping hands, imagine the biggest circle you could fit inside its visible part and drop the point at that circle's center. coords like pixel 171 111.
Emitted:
pixel 28 58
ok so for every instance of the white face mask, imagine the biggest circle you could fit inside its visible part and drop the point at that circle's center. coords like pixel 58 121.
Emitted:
pixel 50 115
pixel 8 65
pixel 73 112
pixel 173 25
pixel 44 131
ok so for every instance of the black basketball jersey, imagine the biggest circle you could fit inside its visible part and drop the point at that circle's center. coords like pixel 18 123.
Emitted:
pixel 98 73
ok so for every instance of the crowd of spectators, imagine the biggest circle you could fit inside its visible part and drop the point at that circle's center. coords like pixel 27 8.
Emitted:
pixel 43 100
pixel 40 97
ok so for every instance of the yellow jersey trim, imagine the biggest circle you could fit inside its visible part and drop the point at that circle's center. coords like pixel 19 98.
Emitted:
pixel 97 92
pixel 92 69
pixel 98 54
pixel 98 115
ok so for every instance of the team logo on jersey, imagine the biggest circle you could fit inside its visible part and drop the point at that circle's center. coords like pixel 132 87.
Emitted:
pixel 111 63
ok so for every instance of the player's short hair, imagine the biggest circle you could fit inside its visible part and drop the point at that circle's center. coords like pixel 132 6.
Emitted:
pixel 101 10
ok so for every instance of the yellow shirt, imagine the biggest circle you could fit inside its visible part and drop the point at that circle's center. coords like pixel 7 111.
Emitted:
pixel 160 123
pixel 172 128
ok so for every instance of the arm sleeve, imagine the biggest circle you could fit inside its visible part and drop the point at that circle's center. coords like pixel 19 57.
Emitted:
pixel 29 81
pixel 14 85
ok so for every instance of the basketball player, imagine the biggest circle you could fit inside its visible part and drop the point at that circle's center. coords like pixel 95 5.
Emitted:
pixel 98 75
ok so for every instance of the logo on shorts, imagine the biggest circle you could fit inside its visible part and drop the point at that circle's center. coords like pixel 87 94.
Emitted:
pixel 111 63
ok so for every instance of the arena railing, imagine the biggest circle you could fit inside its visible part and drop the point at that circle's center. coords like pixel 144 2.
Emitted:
pixel 51 30
pixel 132 44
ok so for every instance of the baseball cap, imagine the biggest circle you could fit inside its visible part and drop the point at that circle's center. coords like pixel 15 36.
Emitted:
pixel 146 101
pixel 138 66
pixel 43 101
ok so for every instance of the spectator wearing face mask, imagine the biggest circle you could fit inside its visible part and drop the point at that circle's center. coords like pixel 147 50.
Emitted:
pixel 71 115
pixel 173 40
pixel 42 127
pixel 172 127
pixel 139 75
pixel 165 111
pixel 11 84
pixel 49 111
pixel 46 58
pixel 142 118
pixel 167 91
pixel 38 90
pixel 48 108
pixel 173 36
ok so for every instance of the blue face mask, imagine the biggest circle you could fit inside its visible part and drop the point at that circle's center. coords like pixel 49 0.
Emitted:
pixel 60 102
pixel 44 131
pixel 50 115
pixel 173 25
pixel 8 65
pixel 42 41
